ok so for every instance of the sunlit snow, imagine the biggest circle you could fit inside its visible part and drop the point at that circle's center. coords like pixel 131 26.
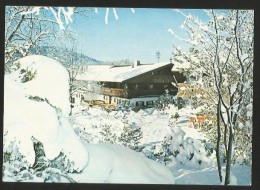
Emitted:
pixel 46 119
pixel 40 107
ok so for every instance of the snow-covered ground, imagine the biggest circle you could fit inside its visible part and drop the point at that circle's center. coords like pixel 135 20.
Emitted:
pixel 155 126
pixel 36 103
pixel 36 106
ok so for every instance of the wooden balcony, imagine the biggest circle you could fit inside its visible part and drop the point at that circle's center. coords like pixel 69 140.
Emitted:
pixel 115 92
pixel 125 93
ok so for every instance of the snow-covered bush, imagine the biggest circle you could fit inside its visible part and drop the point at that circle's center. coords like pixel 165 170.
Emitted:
pixel 176 148
pixel 180 103
pixel 167 99
pixel 173 118
pixel 27 75
pixel 131 135
pixel 160 153
pixel 13 161
pixel 16 167
pixel 15 66
pixel 107 135
pixel 164 100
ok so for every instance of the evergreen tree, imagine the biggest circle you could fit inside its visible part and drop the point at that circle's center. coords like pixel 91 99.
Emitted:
pixel 131 136
pixel 107 135
pixel 164 100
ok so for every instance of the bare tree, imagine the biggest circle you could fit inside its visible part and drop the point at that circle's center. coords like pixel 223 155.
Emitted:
pixel 66 52
pixel 30 29
pixel 27 29
pixel 23 32
pixel 221 53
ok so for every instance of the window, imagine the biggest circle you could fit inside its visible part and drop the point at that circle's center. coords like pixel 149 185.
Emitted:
pixel 150 103
pixel 125 86
pixel 127 103
pixel 136 86
pixel 140 103
pixel 150 86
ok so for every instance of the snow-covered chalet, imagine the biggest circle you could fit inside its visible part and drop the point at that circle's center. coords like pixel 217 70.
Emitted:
pixel 132 85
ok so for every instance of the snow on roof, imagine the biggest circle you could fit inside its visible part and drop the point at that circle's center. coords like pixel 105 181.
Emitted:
pixel 117 74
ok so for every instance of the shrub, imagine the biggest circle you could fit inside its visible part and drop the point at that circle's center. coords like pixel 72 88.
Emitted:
pixel 107 135
pixel 27 75
pixel 131 136
pixel 175 148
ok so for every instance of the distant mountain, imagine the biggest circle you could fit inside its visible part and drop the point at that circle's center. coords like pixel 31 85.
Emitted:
pixel 63 55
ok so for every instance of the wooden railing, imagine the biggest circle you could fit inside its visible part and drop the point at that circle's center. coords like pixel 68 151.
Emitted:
pixel 126 93
pixel 115 92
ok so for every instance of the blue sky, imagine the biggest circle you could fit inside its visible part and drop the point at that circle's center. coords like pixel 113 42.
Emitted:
pixel 134 36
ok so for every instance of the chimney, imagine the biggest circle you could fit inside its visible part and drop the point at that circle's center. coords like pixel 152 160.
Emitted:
pixel 138 63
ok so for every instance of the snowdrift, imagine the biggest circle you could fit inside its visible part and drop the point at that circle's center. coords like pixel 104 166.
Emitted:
pixel 116 164
pixel 38 108
pixel 36 103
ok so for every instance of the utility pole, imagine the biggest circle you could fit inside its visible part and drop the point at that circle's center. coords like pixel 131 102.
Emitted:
pixel 158 55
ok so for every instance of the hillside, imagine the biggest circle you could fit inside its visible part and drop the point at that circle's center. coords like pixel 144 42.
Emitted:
pixel 63 54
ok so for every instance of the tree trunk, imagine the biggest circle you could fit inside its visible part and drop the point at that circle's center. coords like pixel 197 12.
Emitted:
pixel 229 154
pixel 16 28
pixel 71 104
pixel 218 140
pixel 40 162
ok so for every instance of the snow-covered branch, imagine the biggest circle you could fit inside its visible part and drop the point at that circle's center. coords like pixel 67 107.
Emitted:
pixel 107 11
pixel 222 46
pixel 58 13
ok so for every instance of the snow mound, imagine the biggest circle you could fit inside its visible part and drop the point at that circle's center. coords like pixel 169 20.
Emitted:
pixel 116 164
pixel 45 120
pixel 50 81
